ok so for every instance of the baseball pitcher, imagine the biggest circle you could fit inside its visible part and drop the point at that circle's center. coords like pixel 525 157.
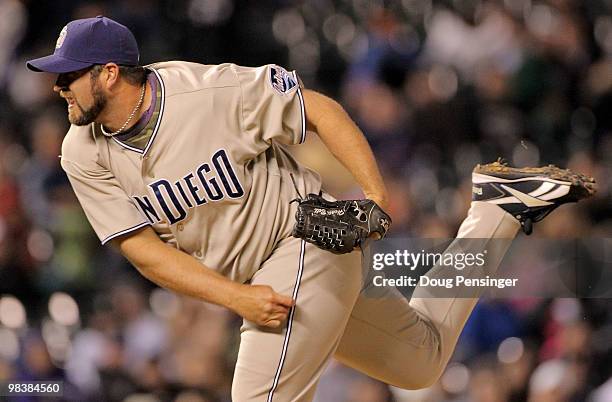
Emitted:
pixel 184 168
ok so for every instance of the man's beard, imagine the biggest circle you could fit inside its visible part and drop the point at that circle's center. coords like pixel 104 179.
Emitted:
pixel 90 115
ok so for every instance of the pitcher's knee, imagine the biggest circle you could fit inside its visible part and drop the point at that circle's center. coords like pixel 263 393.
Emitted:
pixel 421 376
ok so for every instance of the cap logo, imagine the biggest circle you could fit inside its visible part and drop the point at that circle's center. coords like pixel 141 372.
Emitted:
pixel 61 37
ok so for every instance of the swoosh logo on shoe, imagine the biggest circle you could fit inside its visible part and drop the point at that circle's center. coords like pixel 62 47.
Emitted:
pixel 543 189
pixel 526 198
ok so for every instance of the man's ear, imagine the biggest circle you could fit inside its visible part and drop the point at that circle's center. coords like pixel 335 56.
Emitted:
pixel 110 75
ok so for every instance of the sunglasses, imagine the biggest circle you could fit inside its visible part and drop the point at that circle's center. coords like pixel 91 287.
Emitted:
pixel 65 79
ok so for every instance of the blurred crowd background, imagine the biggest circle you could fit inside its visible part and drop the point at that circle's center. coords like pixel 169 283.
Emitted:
pixel 436 86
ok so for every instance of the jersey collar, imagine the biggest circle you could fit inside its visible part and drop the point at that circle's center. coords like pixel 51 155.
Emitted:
pixel 142 140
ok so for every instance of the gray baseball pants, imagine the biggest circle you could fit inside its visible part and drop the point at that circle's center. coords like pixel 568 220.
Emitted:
pixel 400 342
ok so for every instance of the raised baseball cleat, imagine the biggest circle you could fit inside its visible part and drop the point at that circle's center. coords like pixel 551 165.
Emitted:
pixel 529 194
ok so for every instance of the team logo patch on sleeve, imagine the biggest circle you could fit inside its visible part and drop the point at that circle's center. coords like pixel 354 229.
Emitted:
pixel 281 80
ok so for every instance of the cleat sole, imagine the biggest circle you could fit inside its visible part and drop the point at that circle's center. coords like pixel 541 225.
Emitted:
pixel 582 186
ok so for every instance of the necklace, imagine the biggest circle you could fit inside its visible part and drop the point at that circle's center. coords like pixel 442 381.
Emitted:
pixel 138 105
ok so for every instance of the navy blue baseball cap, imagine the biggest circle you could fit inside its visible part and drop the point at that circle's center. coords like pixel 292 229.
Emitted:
pixel 85 42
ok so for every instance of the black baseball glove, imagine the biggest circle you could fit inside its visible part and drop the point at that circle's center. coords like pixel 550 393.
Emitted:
pixel 338 226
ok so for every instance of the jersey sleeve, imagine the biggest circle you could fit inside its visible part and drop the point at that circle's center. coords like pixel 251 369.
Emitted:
pixel 109 210
pixel 272 104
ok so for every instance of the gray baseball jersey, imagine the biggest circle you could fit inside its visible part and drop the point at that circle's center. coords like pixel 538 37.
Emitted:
pixel 209 172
